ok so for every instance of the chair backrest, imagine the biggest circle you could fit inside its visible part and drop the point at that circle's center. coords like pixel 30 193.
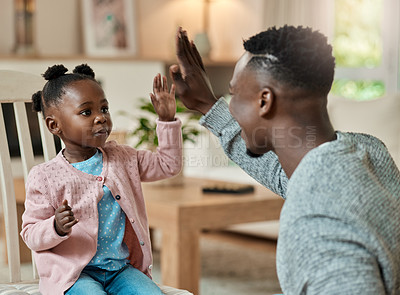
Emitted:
pixel 17 88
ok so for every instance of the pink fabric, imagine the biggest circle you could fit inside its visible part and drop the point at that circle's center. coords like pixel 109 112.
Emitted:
pixel 60 260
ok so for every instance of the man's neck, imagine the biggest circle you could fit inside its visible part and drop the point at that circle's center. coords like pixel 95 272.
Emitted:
pixel 297 142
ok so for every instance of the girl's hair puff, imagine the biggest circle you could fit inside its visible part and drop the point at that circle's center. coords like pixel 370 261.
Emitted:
pixel 57 79
pixel 37 101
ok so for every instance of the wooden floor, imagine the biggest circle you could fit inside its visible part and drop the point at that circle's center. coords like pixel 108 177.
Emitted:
pixel 250 242
pixel 234 264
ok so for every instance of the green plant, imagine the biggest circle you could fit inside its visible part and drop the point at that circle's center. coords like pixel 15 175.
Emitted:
pixel 145 131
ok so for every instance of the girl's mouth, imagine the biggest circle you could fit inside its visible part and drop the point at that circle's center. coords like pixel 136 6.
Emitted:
pixel 101 132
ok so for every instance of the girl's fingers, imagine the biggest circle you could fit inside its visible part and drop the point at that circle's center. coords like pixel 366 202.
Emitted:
pixel 160 84
pixel 154 84
pixel 153 98
pixel 165 85
pixel 64 214
pixel 157 83
pixel 66 219
pixel 71 224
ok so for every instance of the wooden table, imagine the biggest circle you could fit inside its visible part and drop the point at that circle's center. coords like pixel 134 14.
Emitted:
pixel 181 212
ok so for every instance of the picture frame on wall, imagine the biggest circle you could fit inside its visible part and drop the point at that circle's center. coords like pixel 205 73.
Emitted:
pixel 109 28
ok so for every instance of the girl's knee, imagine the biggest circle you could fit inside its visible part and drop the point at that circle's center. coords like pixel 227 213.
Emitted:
pixel 133 281
pixel 86 285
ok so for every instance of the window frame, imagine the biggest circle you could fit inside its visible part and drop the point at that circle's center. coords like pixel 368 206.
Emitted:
pixel 388 70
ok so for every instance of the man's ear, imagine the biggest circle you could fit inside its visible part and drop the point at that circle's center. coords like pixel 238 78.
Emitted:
pixel 266 100
pixel 52 125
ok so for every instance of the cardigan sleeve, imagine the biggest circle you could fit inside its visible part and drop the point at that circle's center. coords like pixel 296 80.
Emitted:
pixel 38 230
pixel 167 160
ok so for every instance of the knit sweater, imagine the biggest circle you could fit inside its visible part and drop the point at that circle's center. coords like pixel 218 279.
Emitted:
pixel 60 259
pixel 340 224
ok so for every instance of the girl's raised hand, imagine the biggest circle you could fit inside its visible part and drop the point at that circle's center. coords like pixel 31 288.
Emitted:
pixel 162 99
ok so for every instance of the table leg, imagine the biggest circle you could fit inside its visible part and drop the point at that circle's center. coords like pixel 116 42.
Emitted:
pixel 180 258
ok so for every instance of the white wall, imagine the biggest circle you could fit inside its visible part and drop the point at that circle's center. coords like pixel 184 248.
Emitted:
pixel 6 25
pixel 230 22
pixel 123 81
pixel 59 32
pixel 58 27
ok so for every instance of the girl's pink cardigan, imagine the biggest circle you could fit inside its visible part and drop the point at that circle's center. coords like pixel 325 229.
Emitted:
pixel 60 260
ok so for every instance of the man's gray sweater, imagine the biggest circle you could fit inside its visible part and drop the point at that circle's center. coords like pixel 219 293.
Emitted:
pixel 340 224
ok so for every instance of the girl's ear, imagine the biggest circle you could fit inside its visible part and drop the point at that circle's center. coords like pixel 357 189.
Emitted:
pixel 266 100
pixel 52 125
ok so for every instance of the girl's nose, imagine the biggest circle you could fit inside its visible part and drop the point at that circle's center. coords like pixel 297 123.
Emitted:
pixel 100 118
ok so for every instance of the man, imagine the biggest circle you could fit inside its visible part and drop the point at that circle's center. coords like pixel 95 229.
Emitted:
pixel 340 224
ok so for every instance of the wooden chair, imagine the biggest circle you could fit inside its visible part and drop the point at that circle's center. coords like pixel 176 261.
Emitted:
pixel 17 88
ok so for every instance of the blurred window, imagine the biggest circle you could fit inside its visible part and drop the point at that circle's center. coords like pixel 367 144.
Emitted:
pixel 365 68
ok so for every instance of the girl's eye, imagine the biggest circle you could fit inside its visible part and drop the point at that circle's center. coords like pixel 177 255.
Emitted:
pixel 86 113
pixel 105 110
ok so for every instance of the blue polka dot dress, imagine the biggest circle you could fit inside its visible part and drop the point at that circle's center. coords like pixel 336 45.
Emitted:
pixel 112 252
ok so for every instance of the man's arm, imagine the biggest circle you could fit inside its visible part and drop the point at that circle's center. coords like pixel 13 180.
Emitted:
pixel 194 89
pixel 265 169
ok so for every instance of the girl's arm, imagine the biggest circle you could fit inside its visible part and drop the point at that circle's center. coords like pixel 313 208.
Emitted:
pixel 38 231
pixel 167 161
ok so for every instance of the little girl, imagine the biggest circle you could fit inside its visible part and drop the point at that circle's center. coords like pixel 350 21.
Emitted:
pixel 85 216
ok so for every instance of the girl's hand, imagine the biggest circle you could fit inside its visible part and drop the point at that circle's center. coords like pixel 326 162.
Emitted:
pixel 162 100
pixel 64 219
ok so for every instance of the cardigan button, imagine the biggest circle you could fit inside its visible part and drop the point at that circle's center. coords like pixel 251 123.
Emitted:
pixel 99 178
pixel 150 266
pixel 117 197
pixel 141 243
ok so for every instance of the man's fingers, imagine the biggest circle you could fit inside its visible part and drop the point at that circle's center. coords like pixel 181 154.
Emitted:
pixel 183 51
pixel 175 74
pixel 197 56
pixel 180 86
pixel 172 92
pixel 179 48
pixel 187 49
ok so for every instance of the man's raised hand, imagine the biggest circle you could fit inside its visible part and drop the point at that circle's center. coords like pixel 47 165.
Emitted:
pixel 192 84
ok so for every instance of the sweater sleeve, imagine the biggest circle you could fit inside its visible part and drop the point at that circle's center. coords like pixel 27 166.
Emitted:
pixel 266 169
pixel 167 160
pixel 38 230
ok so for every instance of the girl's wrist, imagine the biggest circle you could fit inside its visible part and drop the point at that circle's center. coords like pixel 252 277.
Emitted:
pixel 166 119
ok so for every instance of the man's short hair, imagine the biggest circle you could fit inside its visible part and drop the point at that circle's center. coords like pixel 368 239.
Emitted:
pixel 297 56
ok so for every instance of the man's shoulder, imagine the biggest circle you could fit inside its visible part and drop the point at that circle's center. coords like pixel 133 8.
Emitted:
pixel 350 151
pixel 355 166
